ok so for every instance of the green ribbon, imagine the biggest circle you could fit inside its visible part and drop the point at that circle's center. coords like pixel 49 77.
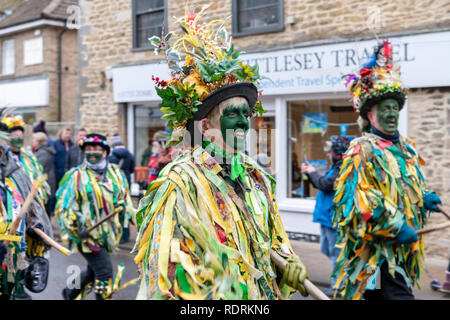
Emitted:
pixel 237 167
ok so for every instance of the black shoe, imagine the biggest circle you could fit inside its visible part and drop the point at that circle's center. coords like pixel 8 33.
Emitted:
pixel 66 294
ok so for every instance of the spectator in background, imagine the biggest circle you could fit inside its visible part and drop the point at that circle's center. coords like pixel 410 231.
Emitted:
pixel 160 155
pixel 324 209
pixel 125 160
pixel 75 156
pixel 45 153
pixel 121 156
pixel 40 127
pixel 62 146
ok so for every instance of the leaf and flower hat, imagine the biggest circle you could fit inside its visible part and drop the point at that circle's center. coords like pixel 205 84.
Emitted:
pixel 210 73
pixel 13 122
pixel 376 80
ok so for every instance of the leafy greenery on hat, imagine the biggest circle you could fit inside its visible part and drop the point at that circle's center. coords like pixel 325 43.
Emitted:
pixel 211 62
pixel 377 78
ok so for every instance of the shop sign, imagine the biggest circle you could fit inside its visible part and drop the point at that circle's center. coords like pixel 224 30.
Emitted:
pixel 423 60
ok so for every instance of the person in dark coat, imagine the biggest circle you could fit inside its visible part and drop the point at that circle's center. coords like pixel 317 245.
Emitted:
pixel 125 160
pixel 62 146
pixel 121 156
pixel 45 153
pixel 324 209
pixel 75 156
pixel 40 127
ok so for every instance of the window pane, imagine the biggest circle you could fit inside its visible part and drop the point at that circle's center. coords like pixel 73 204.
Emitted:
pixel 307 133
pixel 148 25
pixel 145 5
pixel 264 149
pixel 257 18
pixel 33 51
pixel 243 4
pixel 8 60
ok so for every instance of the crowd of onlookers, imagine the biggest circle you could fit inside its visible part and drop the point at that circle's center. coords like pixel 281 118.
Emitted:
pixel 61 155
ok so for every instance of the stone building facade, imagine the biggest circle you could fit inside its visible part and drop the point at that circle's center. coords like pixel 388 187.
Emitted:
pixel 105 42
pixel 44 21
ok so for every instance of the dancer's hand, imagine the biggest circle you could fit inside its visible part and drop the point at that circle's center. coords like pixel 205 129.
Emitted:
pixel 294 275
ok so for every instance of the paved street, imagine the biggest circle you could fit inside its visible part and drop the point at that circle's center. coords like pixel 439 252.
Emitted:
pixel 319 269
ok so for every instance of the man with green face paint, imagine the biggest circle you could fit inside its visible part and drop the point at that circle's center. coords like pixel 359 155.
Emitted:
pixel 87 194
pixel 26 159
pixel 381 196
pixel 209 224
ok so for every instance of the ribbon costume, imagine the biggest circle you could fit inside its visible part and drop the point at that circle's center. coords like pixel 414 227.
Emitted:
pixel 18 251
pixel 26 159
pixel 208 223
pixel 381 191
pixel 88 193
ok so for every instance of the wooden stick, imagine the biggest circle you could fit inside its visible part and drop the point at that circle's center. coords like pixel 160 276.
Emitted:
pixel 26 205
pixel 443 211
pixel 52 242
pixel 119 209
pixel 315 292
pixel 431 229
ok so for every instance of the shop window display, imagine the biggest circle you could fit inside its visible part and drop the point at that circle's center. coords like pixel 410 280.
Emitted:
pixel 310 124
pixel 147 123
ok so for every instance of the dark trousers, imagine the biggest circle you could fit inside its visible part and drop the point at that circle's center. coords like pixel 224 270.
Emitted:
pixel 50 206
pixel 391 288
pixel 99 268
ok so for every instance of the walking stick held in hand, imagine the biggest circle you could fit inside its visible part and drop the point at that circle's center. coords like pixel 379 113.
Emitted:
pixel 315 292
pixel 52 242
pixel 25 206
pixel 116 211
pixel 436 227
pixel 443 211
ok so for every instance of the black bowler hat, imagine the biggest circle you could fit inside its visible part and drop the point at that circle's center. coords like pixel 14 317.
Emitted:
pixel 95 139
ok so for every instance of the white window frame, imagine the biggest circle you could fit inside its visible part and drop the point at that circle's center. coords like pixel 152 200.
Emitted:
pixel 297 205
pixel 13 57
pixel 33 52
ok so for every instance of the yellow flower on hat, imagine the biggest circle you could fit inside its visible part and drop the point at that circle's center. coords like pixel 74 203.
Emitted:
pixel 194 78
pixel 13 121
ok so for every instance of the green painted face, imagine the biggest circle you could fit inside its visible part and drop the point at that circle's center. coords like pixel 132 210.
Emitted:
pixel 234 125
pixel 16 142
pixel 94 157
pixel 388 113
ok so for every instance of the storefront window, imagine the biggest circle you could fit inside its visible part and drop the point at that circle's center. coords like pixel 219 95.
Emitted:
pixel 310 124
pixel 147 122
pixel 263 150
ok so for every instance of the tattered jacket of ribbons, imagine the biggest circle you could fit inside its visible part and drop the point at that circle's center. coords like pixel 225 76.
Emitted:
pixel 33 168
pixel 379 188
pixel 15 189
pixel 199 240
pixel 84 198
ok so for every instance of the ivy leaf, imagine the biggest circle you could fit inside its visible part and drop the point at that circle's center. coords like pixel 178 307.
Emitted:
pixel 168 36
pixel 155 40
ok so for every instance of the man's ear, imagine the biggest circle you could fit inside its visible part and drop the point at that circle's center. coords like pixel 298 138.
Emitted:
pixel 203 125
pixel 371 114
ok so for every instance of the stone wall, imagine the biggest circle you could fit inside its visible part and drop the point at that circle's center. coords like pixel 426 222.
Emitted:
pixel 428 126
pixel 50 67
pixel 105 38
